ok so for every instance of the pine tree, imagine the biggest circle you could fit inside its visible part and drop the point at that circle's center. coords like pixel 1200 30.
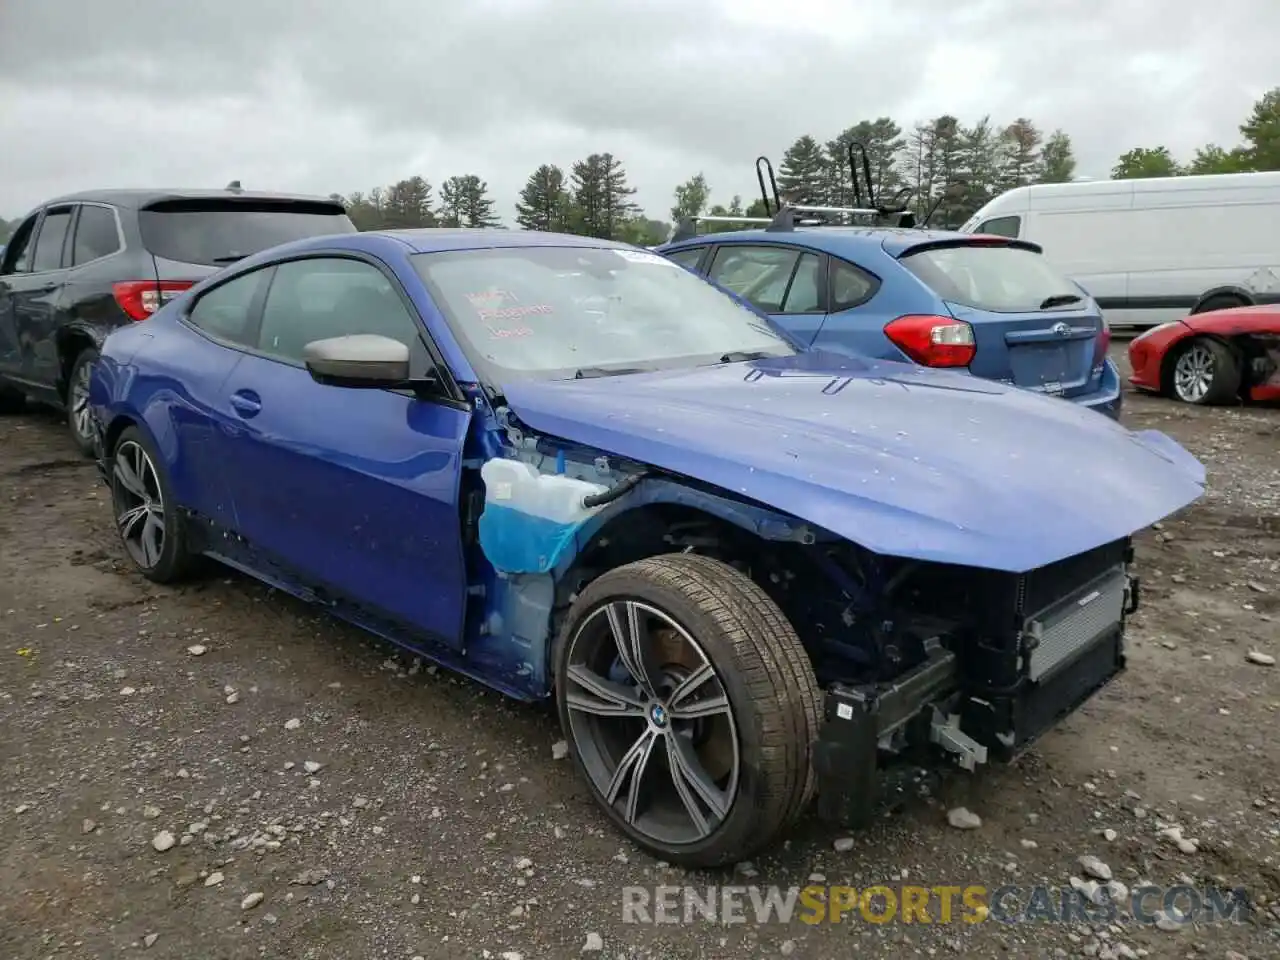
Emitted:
pixel 803 173
pixel 545 202
pixel 948 154
pixel 919 164
pixel 451 203
pixel 980 166
pixel 1020 160
pixel 465 202
pixel 1057 159
pixel 600 196
pixel 406 204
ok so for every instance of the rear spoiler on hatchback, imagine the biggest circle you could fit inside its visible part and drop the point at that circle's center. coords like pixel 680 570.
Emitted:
pixel 966 240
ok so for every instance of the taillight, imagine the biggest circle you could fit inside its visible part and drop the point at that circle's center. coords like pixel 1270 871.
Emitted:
pixel 1102 344
pixel 933 341
pixel 139 299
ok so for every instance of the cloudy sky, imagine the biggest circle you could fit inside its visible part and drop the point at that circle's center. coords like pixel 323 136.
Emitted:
pixel 339 95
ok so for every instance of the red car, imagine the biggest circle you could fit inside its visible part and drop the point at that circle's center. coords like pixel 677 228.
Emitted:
pixel 1222 356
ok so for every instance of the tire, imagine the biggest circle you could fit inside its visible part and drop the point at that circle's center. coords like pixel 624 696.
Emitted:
pixel 1225 302
pixel 1204 372
pixel 758 691
pixel 78 420
pixel 11 400
pixel 141 495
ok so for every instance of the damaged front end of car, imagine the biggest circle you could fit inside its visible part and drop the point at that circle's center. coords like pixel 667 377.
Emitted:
pixel 919 660
pixel 999 658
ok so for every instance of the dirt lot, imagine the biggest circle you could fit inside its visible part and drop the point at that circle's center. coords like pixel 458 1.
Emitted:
pixel 408 838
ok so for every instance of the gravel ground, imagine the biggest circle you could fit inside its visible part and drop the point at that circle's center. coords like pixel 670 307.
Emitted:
pixel 326 797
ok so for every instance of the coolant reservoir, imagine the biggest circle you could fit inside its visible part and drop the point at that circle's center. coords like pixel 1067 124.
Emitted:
pixel 530 519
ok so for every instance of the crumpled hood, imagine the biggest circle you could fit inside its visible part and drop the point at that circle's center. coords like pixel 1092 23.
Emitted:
pixel 900 459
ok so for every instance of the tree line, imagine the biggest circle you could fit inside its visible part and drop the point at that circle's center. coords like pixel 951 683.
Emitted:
pixel 942 164
pixel 1259 150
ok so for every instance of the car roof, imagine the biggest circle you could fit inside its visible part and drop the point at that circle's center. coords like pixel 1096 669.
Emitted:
pixel 135 199
pixel 838 241
pixel 434 239
pixel 427 240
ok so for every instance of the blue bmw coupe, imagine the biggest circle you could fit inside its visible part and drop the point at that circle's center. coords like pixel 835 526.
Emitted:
pixel 748 572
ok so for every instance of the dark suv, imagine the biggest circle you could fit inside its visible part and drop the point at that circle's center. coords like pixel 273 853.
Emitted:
pixel 81 265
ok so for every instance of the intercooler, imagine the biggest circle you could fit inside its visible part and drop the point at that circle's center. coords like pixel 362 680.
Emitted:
pixel 1062 631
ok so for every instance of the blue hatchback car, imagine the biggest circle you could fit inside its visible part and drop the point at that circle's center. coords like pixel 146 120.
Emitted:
pixel 569 468
pixel 988 305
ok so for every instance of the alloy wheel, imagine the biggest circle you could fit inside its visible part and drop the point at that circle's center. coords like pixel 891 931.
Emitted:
pixel 652 723
pixel 79 402
pixel 1193 373
pixel 138 503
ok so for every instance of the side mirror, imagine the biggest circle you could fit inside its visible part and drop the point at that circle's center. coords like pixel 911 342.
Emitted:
pixel 359 360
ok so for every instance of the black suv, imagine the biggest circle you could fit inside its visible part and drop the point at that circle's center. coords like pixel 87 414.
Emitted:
pixel 81 265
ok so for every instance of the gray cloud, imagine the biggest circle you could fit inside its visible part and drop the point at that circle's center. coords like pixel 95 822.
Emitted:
pixel 327 95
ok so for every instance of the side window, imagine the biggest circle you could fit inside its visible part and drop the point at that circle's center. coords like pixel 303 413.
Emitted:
pixel 50 240
pixel 757 274
pixel 805 293
pixel 96 234
pixel 225 312
pixel 687 257
pixel 333 297
pixel 850 286
pixel 17 252
pixel 1001 227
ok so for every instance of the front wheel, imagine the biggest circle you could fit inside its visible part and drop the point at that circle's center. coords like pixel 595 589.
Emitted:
pixel 78 417
pixel 690 708
pixel 1205 372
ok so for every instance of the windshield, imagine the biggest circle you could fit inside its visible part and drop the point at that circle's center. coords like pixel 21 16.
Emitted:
pixel 999 278
pixel 559 312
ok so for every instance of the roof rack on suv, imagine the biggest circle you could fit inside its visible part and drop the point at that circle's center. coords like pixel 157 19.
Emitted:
pixel 786 216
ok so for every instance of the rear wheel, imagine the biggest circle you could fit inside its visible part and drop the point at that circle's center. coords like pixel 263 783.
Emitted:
pixel 151 527
pixel 1205 372
pixel 78 418
pixel 690 707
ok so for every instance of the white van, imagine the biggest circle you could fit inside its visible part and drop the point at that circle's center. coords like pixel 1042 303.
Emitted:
pixel 1151 251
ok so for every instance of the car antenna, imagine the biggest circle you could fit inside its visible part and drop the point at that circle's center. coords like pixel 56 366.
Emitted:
pixel 234 186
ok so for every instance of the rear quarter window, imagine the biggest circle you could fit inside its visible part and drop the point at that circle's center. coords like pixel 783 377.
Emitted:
pixel 1001 279
pixel 218 232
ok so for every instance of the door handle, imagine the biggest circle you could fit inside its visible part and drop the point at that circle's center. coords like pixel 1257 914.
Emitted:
pixel 246 403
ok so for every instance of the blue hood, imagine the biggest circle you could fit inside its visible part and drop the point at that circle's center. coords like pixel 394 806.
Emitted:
pixel 901 459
